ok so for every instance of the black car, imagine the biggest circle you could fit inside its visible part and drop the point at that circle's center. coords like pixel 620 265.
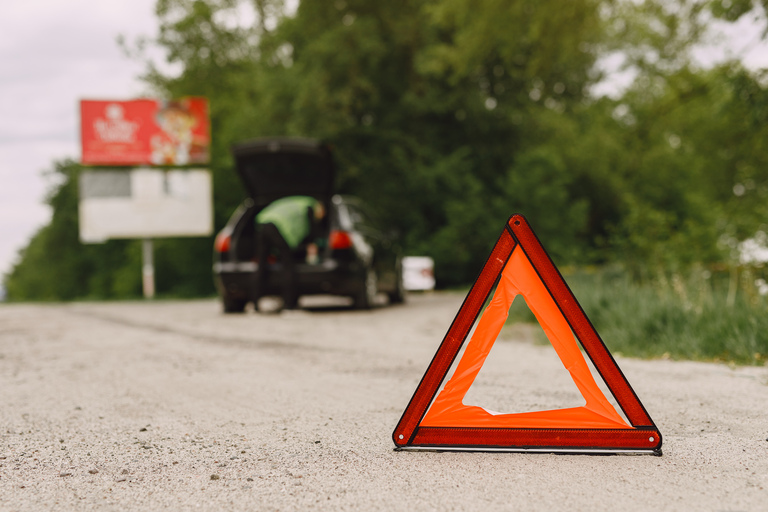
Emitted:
pixel 357 259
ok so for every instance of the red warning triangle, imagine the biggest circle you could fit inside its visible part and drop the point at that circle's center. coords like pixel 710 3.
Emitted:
pixel 520 266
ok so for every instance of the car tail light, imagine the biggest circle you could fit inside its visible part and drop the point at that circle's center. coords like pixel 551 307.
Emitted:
pixel 340 240
pixel 223 240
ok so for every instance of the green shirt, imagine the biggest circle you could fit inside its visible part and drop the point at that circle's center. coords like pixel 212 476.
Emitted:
pixel 290 216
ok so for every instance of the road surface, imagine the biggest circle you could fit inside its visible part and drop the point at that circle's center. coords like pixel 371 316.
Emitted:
pixel 175 406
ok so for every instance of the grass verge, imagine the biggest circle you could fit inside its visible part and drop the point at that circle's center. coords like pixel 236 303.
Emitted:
pixel 700 317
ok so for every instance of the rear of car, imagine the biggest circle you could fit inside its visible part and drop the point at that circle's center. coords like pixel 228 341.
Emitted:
pixel 355 259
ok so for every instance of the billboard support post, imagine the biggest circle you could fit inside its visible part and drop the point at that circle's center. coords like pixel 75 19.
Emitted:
pixel 147 268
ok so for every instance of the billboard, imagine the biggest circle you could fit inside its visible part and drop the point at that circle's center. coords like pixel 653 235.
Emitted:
pixel 144 203
pixel 145 132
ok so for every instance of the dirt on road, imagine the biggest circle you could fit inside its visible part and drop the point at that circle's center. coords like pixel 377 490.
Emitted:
pixel 175 406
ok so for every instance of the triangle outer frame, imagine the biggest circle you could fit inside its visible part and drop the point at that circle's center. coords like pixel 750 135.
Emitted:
pixel 408 434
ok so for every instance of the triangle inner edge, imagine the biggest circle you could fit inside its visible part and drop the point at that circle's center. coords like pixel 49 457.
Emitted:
pixel 522 373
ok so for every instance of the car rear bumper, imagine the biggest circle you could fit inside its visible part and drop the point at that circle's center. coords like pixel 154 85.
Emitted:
pixel 237 279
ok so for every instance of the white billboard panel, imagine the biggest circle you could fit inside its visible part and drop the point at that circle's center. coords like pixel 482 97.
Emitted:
pixel 145 203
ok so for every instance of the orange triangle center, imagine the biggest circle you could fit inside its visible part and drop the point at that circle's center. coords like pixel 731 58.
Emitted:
pixel 520 278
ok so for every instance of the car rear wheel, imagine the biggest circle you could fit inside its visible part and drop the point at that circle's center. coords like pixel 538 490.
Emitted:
pixel 368 290
pixel 232 305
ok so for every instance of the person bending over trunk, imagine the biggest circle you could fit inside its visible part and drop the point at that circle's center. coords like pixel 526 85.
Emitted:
pixel 282 227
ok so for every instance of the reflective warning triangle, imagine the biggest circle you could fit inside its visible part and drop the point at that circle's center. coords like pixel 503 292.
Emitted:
pixel 519 265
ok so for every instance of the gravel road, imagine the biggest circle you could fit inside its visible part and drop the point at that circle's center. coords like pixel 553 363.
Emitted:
pixel 175 406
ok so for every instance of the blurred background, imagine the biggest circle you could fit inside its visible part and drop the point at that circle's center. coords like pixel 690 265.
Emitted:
pixel 632 135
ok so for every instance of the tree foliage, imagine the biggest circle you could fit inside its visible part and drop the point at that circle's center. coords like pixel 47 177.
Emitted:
pixel 447 116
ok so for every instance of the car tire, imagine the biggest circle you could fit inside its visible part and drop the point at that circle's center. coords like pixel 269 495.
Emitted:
pixel 232 305
pixel 365 298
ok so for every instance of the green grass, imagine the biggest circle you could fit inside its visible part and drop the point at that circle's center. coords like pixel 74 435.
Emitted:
pixel 701 317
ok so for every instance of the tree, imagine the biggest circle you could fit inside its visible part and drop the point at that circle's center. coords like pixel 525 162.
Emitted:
pixel 447 116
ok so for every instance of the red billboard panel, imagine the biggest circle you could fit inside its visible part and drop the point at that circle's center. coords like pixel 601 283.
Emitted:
pixel 145 132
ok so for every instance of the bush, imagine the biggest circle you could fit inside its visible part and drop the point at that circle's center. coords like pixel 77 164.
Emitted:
pixel 704 316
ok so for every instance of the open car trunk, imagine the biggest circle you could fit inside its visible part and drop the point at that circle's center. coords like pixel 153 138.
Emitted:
pixel 278 167
pixel 273 168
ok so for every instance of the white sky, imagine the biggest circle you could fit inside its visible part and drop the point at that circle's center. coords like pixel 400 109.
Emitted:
pixel 55 52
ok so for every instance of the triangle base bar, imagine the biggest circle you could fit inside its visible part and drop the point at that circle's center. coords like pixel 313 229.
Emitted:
pixel 565 451
pixel 637 440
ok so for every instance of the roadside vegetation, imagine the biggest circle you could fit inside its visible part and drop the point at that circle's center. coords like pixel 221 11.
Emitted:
pixel 703 316
pixel 447 116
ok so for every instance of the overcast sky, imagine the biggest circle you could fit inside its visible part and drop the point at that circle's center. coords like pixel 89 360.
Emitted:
pixel 53 53
pixel 56 52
